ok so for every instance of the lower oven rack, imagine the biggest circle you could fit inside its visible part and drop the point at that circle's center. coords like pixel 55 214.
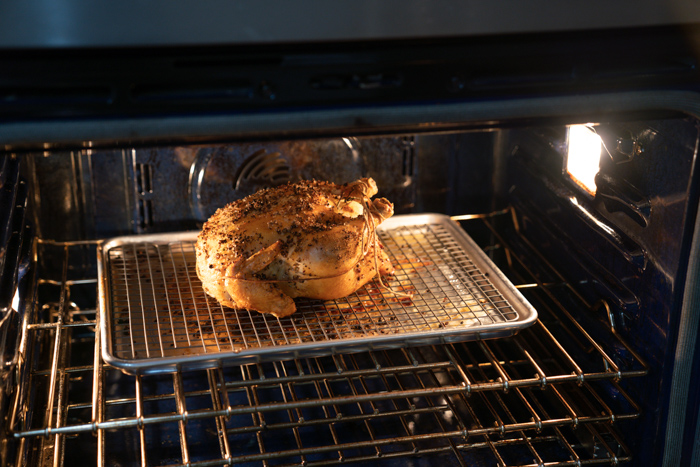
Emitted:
pixel 528 399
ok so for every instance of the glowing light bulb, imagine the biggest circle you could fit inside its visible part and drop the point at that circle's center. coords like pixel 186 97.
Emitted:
pixel 583 156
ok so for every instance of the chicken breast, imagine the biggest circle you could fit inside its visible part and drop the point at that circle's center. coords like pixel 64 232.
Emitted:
pixel 310 239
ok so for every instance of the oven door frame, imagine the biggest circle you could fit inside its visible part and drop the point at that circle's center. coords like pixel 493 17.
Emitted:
pixel 676 93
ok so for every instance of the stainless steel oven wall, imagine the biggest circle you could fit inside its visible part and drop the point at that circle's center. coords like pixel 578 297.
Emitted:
pixel 89 194
pixel 626 249
pixel 15 275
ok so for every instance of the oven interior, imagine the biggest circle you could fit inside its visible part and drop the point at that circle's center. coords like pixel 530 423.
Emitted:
pixel 588 383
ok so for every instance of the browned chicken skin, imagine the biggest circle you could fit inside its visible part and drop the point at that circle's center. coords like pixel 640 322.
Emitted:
pixel 308 239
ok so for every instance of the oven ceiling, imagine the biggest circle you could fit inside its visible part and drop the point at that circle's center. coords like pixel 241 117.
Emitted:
pixel 81 23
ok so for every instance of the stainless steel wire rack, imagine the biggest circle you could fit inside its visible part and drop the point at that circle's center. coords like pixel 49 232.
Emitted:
pixel 534 398
pixel 157 317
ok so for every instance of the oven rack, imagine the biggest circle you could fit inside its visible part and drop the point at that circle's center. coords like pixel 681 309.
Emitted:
pixel 157 317
pixel 523 400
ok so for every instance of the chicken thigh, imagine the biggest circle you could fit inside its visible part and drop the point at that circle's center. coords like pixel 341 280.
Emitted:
pixel 310 239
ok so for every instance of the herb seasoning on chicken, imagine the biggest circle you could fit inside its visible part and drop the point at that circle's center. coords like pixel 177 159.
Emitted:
pixel 310 239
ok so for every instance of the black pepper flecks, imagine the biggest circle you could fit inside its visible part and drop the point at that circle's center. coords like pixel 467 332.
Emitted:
pixel 297 215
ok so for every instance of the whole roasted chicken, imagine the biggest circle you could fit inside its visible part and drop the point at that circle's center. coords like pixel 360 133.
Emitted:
pixel 310 239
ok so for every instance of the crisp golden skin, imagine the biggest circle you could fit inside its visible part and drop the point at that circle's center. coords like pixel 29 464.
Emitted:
pixel 307 239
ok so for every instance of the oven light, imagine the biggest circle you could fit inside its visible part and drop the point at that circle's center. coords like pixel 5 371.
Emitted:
pixel 15 300
pixel 583 156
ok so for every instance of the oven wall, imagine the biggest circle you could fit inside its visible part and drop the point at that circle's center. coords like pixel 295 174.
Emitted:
pixel 625 250
pixel 92 194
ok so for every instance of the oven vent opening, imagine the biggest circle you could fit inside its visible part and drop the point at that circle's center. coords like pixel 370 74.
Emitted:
pixel 263 169
pixel 409 152
pixel 145 214
pixel 72 94
pixel 237 90
pixel 223 62
pixel 144 175
pixel 364 82
pixel 143 179
pixel 519 80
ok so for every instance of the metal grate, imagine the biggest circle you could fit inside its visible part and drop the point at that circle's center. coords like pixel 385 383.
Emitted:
pixel 549 395
pixel 160 316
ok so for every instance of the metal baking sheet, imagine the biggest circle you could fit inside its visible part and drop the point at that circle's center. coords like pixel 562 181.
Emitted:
pixel 155 316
